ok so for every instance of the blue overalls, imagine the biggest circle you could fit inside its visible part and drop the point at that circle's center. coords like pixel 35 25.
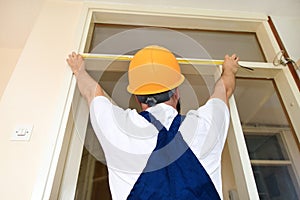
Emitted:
pixel 172 172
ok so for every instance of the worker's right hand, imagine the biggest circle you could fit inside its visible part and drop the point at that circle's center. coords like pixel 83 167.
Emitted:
pixel 76 63
pixel 230 65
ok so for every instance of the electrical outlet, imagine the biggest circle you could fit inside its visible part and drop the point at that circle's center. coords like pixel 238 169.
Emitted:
pixel 22 133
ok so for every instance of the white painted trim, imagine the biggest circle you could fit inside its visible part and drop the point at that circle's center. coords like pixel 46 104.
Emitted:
pixel 293 153
pixel 46 175
pixel 44 183
pixel 72 166
pixel 263 130
pixel 267 41
pixel 186 11
pixel 290 95
pixel 243 173
pixel 177 18
pixel 271 162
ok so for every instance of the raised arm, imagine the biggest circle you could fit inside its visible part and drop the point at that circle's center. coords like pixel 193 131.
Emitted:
pixel 88 87
pixel 225 86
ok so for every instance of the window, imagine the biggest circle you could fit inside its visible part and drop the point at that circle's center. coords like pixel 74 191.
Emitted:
pixel 266 131
pixel 273 169
pixel 216 43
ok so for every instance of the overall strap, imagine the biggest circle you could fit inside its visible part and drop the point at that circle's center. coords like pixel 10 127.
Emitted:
pixel 165 136
pixel 150 118
pixel 172 172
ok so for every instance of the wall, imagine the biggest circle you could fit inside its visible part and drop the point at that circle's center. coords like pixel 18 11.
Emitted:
pixel 289 29
pixel 34 96
pixel 17 19
pixel 37 88
pixel 9 58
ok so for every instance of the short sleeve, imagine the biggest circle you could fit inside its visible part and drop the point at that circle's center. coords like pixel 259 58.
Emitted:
pixel 210 134
pixel 119 128
pixel 215 115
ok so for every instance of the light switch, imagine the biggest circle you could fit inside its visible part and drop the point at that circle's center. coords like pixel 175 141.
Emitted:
pixel 22 132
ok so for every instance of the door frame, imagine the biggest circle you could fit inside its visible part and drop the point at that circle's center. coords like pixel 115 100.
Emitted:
pixel 64 186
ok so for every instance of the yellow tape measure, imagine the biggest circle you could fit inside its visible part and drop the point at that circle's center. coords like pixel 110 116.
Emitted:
pixel 180 60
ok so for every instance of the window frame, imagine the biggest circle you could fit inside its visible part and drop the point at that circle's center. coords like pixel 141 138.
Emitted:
pixel 289 145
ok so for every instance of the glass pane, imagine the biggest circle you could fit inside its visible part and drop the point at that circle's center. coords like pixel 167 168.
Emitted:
pixel 100 182
pixel 92 181
pixel 274 182
pixel 260 110
pixel 265 147
pixel 258 104
pixel 113 39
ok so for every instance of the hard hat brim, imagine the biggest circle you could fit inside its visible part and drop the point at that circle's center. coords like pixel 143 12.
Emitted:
pixel 154 88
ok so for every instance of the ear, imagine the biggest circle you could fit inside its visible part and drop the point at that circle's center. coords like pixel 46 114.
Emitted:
pixel 176 94
pixel 142 105
pixel 137 100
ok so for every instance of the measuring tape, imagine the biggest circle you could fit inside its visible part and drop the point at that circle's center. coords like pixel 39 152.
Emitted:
pixel 129 57
pixel 180 60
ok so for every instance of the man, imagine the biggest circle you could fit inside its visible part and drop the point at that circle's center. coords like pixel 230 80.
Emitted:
pixel 157 154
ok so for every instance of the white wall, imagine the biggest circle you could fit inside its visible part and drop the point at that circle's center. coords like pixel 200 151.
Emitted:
pixel 16 21
pixel 9 58
pixel 36 91
pixel 289 31
pixel 34 96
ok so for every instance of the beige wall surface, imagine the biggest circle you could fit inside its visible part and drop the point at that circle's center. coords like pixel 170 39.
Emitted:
pixel 37 89
pixel 33 96
pixel 9 58
pixel 289 29
pixel 17 19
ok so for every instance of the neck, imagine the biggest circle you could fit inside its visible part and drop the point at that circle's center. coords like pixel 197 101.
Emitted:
pixel 171 102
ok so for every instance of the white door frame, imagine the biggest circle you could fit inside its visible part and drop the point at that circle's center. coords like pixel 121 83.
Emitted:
pixel 64 187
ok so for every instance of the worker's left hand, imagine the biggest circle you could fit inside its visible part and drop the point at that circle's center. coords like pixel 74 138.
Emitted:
pixel 76 63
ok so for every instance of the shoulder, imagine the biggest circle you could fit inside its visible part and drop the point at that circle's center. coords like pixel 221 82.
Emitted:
pixel 215 103
pixel 101 106
pixel 100 102
pixel 106 115
pixel 205 129
pixel 213 108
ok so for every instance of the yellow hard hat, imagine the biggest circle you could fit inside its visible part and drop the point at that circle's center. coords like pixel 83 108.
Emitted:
pixel 153 70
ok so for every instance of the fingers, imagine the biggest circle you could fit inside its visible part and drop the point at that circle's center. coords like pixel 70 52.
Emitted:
pixel 231 63
pixel 232 57
pixel 235 57
pixel 69 59
pixel 73 57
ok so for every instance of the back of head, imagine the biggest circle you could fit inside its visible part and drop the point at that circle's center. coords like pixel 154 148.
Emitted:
pixel 153 75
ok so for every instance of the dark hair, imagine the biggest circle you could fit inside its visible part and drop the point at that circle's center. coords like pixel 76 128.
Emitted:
pixel 153 99
pixel 178 106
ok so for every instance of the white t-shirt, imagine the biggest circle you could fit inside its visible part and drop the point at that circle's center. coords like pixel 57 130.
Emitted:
pixel 128 139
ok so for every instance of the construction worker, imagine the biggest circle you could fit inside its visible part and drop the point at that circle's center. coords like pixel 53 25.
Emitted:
pixel 158 154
